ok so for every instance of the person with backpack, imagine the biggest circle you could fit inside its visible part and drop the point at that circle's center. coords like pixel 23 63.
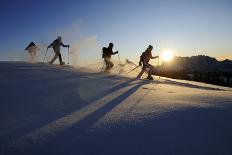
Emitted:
pixel 32 50
pixel 56 47
pixel 106 55
pixel 144 60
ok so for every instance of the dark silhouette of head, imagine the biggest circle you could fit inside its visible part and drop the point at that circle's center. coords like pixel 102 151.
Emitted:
pixel 150 48
pixel 59 38
pixel 111 45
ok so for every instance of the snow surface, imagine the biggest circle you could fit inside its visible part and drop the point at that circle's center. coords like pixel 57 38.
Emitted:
pixel 63 110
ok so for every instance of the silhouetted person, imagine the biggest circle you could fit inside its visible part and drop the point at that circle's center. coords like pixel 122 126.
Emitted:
pixel 107 53
pixel 32 50
pixel 144 60
pixel 56 47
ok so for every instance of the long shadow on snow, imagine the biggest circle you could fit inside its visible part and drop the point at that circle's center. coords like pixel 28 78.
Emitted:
pixel 187 131
pixel 91 119
pixel 51 114
pixel 81 127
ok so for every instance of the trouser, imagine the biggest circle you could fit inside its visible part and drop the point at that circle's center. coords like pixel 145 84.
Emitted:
pixel 32 54
pixel 109 64
pixel 145 66
pixel 57 54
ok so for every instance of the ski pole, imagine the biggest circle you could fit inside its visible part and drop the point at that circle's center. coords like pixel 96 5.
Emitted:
pixel 119 62
pixel 68 55
pixel 158 61
pixel 130 62
pixel 45 54
pixel 132 70
pixel 102 67
pixel 119 59
pixel 161 70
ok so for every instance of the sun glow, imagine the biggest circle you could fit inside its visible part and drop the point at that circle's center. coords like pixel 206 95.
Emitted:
pixel 167 56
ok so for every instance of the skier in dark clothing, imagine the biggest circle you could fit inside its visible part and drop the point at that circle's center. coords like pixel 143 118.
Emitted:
pixel 144 60
pixel 56 47
pixel 107 53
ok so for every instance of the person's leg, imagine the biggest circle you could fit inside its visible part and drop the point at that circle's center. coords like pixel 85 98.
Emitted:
pixel 33 54
pixel 55 57
pixel 30 53
pixel 150 70
pixel 109 64
pixel 60 59
pixel 141 73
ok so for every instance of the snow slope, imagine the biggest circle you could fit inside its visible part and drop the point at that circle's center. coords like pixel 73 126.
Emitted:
pixel 62 110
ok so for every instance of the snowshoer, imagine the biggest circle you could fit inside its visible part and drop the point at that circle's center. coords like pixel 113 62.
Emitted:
pixel 107 53
pixel 32 50
pixel 144 60
pixel 56 47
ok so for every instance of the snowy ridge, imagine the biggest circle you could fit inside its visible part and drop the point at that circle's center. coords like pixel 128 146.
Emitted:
pixel 64 110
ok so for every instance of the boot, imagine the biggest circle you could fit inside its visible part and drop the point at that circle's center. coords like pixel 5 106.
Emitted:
pixel 62 63
pixel 150 77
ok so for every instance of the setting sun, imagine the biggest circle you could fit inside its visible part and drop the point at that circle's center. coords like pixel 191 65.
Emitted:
pixel 167 56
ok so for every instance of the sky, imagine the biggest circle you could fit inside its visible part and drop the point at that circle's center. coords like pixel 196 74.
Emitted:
pixel 197 27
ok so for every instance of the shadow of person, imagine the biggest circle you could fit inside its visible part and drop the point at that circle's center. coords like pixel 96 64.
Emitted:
pixel 86 123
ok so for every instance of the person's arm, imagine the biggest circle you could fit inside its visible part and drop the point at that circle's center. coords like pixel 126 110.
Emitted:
pixel 140 61
pixel 64 45
pixel 155 57
pixel 111 51
pixel 50 46
pixel 115 52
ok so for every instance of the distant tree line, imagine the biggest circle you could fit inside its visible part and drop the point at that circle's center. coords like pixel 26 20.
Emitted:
pixel 198 68
pixel 210 77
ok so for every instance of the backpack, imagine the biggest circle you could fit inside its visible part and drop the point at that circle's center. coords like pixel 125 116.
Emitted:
pixel 56 43
pixel 104 52
pixel 143 56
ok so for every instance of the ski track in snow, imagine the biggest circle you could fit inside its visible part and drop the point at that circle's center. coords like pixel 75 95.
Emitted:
pixel 63 110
